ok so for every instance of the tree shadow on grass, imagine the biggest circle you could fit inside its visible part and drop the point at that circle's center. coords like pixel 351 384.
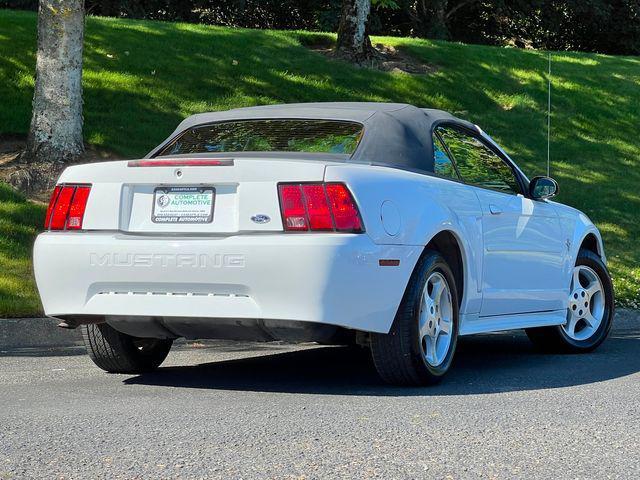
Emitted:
pixel 484 364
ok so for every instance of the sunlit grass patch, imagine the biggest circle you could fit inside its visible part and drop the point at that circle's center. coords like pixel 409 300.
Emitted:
pixel 20 221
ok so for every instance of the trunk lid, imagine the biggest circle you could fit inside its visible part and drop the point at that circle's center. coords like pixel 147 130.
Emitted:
pixel 243 194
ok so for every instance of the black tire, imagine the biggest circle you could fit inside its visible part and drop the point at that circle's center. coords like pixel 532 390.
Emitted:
pixel 555 339
pixel 398 355
pixel 116 352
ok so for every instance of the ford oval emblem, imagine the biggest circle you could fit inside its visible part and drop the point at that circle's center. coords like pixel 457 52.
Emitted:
pixel 261 218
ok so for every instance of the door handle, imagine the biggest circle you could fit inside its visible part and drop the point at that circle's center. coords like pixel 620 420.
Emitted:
pixel 495 210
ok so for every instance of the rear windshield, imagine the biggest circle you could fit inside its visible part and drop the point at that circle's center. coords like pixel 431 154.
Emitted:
pixel 309 136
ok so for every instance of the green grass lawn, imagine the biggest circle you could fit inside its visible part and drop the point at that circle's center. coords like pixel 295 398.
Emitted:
pixel 20 221
pixel 141 78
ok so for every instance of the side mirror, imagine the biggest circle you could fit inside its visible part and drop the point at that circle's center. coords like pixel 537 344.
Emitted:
pixel 541 188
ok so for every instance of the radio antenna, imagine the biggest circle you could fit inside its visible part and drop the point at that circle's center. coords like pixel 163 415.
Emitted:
pixel 549 119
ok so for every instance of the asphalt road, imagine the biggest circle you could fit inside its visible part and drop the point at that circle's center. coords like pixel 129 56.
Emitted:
pixel 247 411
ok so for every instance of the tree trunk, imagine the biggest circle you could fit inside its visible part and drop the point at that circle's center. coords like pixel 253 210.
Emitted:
pixel 438 28
pixel 429 18
pixel 353 40
pixel 56 123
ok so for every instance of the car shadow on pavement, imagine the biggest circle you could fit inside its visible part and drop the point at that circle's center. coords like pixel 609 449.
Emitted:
pixel 484 364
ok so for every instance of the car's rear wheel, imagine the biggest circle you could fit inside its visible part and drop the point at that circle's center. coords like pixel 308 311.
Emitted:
pixel 116 352
pixel 419 348
pixel 589 313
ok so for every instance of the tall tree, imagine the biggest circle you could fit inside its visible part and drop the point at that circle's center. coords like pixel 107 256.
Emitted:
pixel 431 18
pixel 55 135
pixel 353 40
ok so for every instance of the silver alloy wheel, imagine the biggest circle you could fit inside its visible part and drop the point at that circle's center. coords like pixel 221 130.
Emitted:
pixel 586 304
pixel 436 319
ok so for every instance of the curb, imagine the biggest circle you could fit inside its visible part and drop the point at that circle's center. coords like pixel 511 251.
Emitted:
pixel 45 333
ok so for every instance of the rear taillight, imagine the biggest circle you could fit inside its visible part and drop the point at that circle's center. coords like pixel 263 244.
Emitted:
pixel 66 207
pixel 294 214
pixel 52 203
pixel 325 207
pixel 345 211
pixel 78 206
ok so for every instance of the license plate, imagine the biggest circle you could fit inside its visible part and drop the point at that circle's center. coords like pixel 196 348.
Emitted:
pixel 183 205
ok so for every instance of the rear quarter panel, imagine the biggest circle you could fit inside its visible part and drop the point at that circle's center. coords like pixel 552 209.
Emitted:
pixel 426 205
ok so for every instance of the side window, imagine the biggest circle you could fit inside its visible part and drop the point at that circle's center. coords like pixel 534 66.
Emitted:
pixel 477 164
pixel 442 164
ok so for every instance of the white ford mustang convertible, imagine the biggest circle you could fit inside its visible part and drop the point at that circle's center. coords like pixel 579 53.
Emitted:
pixel 384 225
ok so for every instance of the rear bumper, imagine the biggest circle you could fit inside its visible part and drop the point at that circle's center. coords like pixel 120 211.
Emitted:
pixel 331 279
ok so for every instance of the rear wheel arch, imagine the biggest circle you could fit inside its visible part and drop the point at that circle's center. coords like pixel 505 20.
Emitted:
pixel 449 246
pixel 401 356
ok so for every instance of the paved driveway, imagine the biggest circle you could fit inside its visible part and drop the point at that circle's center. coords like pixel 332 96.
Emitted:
pixel 269 411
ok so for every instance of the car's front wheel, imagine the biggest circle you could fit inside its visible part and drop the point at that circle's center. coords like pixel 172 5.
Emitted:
pixel 589 313
pixel 116 352
pixel 419 348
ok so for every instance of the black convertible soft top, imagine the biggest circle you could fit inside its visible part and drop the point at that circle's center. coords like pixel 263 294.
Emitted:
pixel 395 134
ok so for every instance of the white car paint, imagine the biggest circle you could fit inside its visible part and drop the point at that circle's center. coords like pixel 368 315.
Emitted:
pixel 306 277
pixel 517 253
